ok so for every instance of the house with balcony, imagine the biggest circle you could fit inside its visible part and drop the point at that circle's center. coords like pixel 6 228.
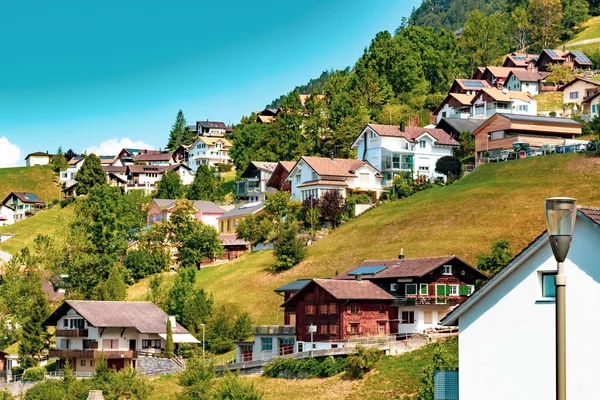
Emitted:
pixel 424 290
pixel 144 177
pixel 153 157
pixel 314 176
pixel 455 105
pixel 578 92
pixel 269 341
pixel 395 149
pixel 116 176
pixel 212 128
pixel 121 330
pixel 23 204
pixel 491 101
pixel 206 212
pixel 521 299
pixel 278 180
pixel 252 186
pixel 210 151
pixel 521 60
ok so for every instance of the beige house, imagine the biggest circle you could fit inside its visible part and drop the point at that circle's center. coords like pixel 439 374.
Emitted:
pixel 577 92
pixel 120 330
pixel 38 158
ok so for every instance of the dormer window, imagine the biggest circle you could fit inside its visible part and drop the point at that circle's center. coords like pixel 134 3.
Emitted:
pixel 422 144
pixel 373 135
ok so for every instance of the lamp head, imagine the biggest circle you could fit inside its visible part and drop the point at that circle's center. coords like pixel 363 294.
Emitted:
pixel 560 218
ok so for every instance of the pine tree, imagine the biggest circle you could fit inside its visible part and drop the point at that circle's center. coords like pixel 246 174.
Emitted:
pixel 206 185
pixel 90 174
pixel 34 336
pixel 169 187
pixel 169 346
pixel 179 131
pixel 68 375
pixel 115 288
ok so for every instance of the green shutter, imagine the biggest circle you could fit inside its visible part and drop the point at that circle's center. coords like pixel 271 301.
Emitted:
pixel 463 290
pixel 440 290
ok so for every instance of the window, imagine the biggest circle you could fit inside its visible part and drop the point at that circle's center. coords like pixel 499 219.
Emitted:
pixel 593 108
pixel 422 144
pixel 266 344
pixel 354 309
pixel 65 323
pixel 146 344
pixel 333 329
pixel 333 308
pixel 228 225
pixel 423 168
pixel 447 270
pixel 574 95
pixel 408 317
pixel 92 363
pixel 354 327
pixel 411 289
pixel 471 289
pixel 424 289
pixel 381 328
pixel 393 287
pixel 222 226
pixel 427 317
pixel 363 178
pixel 77 323
pixel 323 309
pixel 548 285
pixel 453 290
pixel 298 177
pixel 323 329
pixel 311 309
pixel 83 363
pixel 396 161
pixel 524 107
pixel 315 177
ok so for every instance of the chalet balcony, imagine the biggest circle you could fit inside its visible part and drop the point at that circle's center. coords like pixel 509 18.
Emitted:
pixel 273 329
pixel 72 332
pixel 429 300
pixel 127 354
pixel 247 186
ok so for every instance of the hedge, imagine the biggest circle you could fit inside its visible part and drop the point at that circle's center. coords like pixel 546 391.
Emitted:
pixel 34 374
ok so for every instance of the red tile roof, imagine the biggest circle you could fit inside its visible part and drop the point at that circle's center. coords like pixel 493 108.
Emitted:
pixel 337 167
pixel 153 156
pixel 592 213
pixel 411 134
pixel 288 165
pixel 401 268
pixel 323 182
pixel 346 290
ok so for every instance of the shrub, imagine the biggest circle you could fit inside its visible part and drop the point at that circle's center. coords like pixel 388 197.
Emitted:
pixel 51 366
pixel 224 167
pixel 17 371
pixel 468 160
pixel 362 361
pixel 48 390
pixel 305 368
pixel 231 387
pixel 449 166
pixel 196 379
pixel 356 198
pixel 34 374
pixel 67 201
pixel 289 250
pixel 6 395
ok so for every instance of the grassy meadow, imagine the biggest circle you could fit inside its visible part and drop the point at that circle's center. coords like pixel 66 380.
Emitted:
pixel 38 179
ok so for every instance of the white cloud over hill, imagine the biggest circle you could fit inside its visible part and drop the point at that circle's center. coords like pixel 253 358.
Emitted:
pixel 112 147
pixel 10 154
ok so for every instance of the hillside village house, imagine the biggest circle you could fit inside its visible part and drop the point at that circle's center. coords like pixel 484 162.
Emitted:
pixel 209 151
pixel 394 149
pixel 147 176
pixel 127 155
pixel 211 128
pixel 515 311
pixel 278 179
pixel 590 105
pixel 525 81
pixel 455 126
pixel 116 176
pixel 119 329
pixel 7 215
pixel 578 91
pixel 496 76
pixel 24 204
pixel 253 185
pixel 267 115
pixel 68 175
pixel 206 212
pixel 38 158
pixel 576 60
pixel 521 60
pixel 153 157
pixel 455 105
pixel 229 221
pixel 501 131
pixel 491 101
pixel 468 86
pixel 313 176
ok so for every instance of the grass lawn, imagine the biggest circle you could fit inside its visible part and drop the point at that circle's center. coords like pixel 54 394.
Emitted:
pixel 394 377
pixel 497 200
pixel 38 179
pixel 550 101
pixel 591 30
pixel 46 222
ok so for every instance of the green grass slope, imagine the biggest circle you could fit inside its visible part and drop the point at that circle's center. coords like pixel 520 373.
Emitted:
pixel 590 30
pixel 38 179
pixel 499 200
pixel 394 377
pixel 47 222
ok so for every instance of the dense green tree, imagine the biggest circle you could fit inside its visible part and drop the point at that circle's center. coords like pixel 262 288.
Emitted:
pixel 169 186
pixel 207 185
pixel 169 345
pixel 114 288
pixel 452 14
pixel 547 17
pixel 34 338
pixel 59 162
pixel 484 38
pixel 520 27
pixel 289 250
pixel 90 174
pixel 227 325
pixel 575 12
pixel 152 253
pixel 332 206
pixel 449 166
pixel 180 133
pixel 231 387
pixel 560 74
pixel 443 360
pixel 197 379
pixel 190 305
pixel 499 257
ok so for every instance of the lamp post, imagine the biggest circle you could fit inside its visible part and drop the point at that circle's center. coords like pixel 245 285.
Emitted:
pixel 202 340
pixel 560 217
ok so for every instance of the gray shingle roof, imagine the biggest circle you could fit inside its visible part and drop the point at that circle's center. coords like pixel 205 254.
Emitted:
pixel 200 205
pixel 244 209
pixel 460 124
pixel 293 286
pixel 535 118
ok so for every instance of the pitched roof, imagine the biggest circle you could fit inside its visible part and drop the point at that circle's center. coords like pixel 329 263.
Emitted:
pixel 287 165
pixel 293 286
pixel 141 169
pixel 591 82
pixel 212 140
pixel 591 97
pixel 460 124
pixel 75 160
pixel 347 290
pixel 232 240
pixel 25 197
pixel 528 76
pixel 323 182
pixel 411 134
pixel 343 167
pixel 144 316
pixel 212 124
pixel 243 210
pixel 506 95
pixel 401 268
pixel 265 166
pixel 472 84
pixel 502 72
pixel 464 99
pixel 153 156
pixel 593 213
pixel 521 59
pixel 536 118
pixel 200 205
pixel 114 169
pixel 39 154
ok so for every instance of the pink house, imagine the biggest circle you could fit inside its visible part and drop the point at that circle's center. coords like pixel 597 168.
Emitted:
pixel 206 211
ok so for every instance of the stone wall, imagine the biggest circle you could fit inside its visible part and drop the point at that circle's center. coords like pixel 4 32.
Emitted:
pixel 149 365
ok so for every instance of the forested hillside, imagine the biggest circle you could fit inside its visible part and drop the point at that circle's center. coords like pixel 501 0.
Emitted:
pixel 451 14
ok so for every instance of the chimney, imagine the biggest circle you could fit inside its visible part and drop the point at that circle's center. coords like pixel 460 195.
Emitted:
pixel 401 255
pixel 332 155
pixel 402 126
pixel 358 278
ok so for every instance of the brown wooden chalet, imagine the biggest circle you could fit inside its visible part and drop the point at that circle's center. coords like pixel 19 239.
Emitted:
pixel 277 180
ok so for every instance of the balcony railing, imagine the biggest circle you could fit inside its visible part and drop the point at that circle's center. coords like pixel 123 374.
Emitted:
pixel 72 332
pixel 429 300
pixel 274 330
pixel 129 354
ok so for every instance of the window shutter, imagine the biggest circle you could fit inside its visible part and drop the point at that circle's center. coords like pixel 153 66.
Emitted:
pixel 463 290
pixel 440 290
pixel 447 290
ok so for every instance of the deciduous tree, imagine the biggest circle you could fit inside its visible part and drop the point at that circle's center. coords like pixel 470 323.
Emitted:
pixel 547 16
pixel 499 257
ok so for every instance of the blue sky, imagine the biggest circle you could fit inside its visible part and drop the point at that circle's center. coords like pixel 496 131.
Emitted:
pixel 78 73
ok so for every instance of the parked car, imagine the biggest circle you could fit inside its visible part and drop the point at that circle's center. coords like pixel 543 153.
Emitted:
pixel 504 154
pixel 549 148
pixel 534 153
pixel 592 145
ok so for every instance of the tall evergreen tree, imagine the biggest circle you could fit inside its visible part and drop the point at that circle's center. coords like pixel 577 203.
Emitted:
pixel 169 186
pixel 206 185
pixel 34 337
pixel 179 131
pixel 169 346
pixel 90 174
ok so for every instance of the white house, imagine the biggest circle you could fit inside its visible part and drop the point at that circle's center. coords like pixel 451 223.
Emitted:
pixel 209 151
pixel 577 91
pixel 38 158
pixel 68 175
pixel 395 149
pixel 7 215
pixel 153 157
pixel 211 128
pixel 507 328
pixel 456 105
pixel 269 341
pixel 525 81
pixel 590 105
pixel 491 101
pixel 313 176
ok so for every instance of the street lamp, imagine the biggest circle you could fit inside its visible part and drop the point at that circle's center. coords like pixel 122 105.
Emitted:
pixel 202 325
pixel 560 217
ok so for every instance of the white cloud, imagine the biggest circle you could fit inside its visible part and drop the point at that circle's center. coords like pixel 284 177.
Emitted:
pixel 10 154
pixel 112 147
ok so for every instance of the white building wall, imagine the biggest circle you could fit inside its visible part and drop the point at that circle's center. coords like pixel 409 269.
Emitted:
pixel 38 160
pixel 7 213
pixel 578 91
pixel 437 312
pixel 366 179
pixel 507 338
